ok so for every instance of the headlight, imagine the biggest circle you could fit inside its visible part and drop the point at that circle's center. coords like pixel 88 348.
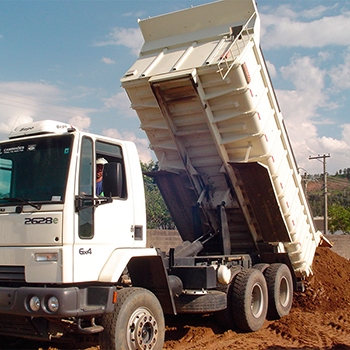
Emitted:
pixel 46 257
pixel 34 303
pixel 53 304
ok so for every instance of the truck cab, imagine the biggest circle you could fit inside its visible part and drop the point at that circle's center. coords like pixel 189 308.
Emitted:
pixel 63 248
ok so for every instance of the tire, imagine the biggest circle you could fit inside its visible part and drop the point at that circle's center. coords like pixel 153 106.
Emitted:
pixel 211 302
pixel 261 267
pixel 225 317
pixel 136 323
pixel 280 290
pixel 249 300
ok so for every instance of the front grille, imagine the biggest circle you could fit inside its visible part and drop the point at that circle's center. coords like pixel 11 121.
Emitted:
pixel 12 274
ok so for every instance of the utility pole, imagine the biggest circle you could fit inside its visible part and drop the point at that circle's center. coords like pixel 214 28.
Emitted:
pixel 325 213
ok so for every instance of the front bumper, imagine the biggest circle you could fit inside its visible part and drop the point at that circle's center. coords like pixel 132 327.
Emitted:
pixel 73 301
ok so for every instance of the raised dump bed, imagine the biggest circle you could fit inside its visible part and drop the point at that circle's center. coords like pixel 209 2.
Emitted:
pixel 204 97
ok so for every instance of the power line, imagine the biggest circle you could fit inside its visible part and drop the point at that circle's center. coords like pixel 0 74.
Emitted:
pixel 35 100
pixel 27 106
pixel 55 113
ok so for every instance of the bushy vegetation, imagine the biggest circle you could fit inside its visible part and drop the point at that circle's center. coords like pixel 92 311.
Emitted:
pixel 338 196
pixel 339 219
pixel 158 216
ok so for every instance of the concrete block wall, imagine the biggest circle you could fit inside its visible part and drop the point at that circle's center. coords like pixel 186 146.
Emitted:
pixel 165 239
pixel 341 244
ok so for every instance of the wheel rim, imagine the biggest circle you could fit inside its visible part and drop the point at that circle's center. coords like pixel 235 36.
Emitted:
pixel 284 292
pixel 257 302
pixel 142 330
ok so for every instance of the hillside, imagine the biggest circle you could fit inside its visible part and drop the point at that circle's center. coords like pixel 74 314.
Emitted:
pixel 334 183
pixel 338 192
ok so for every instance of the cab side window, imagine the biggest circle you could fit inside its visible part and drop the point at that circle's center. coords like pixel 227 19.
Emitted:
pixel 110 171
pixel 85 180
pixel 86 212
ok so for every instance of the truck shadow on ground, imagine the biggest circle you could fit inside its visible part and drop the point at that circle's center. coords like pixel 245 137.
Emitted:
pixel 179 326
pixel 26 344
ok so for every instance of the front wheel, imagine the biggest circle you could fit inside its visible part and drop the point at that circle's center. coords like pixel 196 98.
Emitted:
pixel 137 322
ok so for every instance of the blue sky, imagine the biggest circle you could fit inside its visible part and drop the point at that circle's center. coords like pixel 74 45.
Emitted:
pixel 63 60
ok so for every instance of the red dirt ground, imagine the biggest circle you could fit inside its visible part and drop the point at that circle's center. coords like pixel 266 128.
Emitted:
pixel 319 319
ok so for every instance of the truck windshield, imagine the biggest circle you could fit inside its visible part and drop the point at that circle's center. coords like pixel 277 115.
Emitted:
pixel 34 170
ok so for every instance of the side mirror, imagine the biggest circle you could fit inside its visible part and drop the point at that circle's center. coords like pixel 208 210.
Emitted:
pixel 113 183
pixel 83 202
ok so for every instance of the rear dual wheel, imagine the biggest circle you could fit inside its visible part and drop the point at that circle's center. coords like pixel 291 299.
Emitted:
pixel 254 294
pixel 249 300
pixel 280 290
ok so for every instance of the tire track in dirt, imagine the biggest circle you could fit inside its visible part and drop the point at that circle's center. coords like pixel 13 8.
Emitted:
pixel 299 330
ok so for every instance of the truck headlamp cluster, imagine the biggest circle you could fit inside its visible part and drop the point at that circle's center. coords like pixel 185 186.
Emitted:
pixel 50 305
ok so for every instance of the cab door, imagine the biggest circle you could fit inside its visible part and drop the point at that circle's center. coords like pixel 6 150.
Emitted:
pixel 105 221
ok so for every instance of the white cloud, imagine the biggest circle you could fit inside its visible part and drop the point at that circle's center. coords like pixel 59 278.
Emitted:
pixel 272 69
pixel 325 56
pixel 128 37
pixel 107 60
pixel 285 31
pixel 24 102
pixel 141 144
pixel 302 108
pixel 31 90
pixel 346 131
pixel 138 14
pixel 120 101
pixel 315 12
pixel 340 74
pixel 286 10
pixel 80 122
pixel 333 145
pixel 316 90
pixel 79 92
pixel 309 81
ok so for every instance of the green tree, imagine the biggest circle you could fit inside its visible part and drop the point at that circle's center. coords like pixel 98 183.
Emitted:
pixel 158 216
pixel 339 218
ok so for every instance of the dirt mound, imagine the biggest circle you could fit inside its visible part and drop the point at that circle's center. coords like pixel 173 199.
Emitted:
pixel 329 287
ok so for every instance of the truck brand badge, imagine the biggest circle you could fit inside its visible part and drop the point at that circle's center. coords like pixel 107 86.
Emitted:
pixel 85 252
pixel 41 221
pixel 27 128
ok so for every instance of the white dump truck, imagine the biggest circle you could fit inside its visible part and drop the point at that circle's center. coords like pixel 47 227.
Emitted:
pixel 76 263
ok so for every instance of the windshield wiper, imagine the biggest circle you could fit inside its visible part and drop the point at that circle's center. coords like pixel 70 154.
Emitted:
pixel 22 200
